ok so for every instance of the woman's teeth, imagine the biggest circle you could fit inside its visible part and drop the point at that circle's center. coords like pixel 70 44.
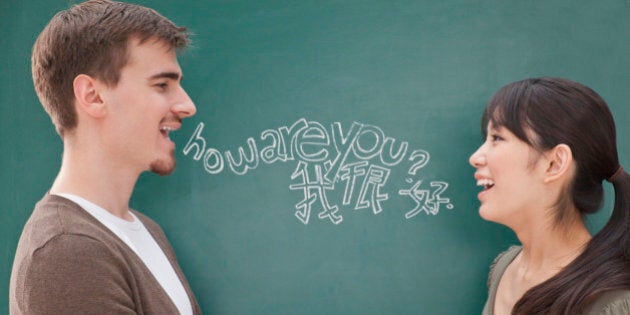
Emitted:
pixel 486 183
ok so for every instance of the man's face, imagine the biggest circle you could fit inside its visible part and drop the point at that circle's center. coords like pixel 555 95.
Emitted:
pixel 147 102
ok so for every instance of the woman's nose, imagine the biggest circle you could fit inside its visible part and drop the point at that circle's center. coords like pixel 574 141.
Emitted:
pixel 477 159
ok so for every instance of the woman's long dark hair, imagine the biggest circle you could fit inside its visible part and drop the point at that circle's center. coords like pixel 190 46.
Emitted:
pixel 560 111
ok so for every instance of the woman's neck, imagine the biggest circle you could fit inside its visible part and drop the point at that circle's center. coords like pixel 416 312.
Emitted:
pixel 548 248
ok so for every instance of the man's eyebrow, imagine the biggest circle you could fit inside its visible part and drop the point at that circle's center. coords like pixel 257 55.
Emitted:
pixel 168 75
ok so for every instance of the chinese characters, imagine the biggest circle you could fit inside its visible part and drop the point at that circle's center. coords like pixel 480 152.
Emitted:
pixel 358 161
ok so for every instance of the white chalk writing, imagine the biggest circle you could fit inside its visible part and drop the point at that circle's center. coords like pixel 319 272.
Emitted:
pixel 359 160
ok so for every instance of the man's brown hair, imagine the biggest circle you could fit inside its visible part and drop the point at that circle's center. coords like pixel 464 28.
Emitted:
pixel 91 38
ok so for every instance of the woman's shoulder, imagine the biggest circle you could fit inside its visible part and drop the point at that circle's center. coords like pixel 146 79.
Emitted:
pixel 508 254
pixel 497 269
pixel 501 263
pixel 615 302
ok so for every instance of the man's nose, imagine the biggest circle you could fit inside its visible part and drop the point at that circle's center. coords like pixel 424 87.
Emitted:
pixel 184 106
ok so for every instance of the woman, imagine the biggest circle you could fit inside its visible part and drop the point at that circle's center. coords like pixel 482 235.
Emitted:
pixel 549 145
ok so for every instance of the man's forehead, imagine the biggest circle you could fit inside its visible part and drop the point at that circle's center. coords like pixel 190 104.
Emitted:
pixel 135 40
pixel 153 55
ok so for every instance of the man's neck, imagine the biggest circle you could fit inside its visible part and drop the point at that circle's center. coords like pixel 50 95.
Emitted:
pixel 96 178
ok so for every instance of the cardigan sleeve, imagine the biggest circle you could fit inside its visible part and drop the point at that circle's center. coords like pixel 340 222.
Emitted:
pixel 75 274
pixel 621 307
pixel 612 303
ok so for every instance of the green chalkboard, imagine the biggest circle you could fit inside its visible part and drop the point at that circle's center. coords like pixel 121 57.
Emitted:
pixel 383 96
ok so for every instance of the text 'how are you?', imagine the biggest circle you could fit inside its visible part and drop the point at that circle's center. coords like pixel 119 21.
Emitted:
pixel 357 162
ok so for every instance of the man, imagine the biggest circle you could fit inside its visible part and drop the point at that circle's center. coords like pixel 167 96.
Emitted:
pixel 108 76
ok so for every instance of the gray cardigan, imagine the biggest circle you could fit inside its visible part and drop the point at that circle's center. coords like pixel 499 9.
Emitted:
pixel 610 303
pixel 67 262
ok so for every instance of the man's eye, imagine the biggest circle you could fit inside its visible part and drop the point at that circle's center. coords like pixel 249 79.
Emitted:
pixel 162 86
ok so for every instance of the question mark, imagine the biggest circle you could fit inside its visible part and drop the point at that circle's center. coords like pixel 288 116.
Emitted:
pixel 423 160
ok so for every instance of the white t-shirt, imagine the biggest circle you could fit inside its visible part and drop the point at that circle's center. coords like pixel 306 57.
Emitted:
pixel 136 236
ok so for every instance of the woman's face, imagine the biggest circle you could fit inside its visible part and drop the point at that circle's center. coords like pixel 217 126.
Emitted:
pixel 509 172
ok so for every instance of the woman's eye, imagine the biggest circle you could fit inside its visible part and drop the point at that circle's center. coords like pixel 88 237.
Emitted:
pixel 495 138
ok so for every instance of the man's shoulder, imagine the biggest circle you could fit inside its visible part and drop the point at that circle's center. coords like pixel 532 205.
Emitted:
pixel 54 216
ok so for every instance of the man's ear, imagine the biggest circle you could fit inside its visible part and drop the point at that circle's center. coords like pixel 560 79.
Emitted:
pixel 560 163
pixel 87 96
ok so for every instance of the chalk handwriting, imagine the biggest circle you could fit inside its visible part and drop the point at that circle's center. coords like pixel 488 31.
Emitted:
pixel 428 201
pixel 357 160
pixel 370 196
pixel 313 189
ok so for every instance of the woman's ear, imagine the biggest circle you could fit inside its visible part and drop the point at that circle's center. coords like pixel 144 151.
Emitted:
pixel 560 163
pixel 87 96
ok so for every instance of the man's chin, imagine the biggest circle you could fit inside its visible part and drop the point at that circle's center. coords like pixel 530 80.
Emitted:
pixel 163 167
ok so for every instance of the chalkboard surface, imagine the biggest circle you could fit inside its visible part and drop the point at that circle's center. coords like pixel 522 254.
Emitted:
pixel 326 170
